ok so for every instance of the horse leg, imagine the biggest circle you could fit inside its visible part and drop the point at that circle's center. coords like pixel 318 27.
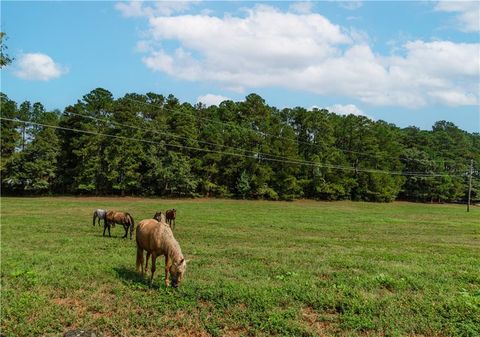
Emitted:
pixel 154 256
pixel 140 259
pixel 168 263
pixel 146 262
pixel 126 231
pixel 104 228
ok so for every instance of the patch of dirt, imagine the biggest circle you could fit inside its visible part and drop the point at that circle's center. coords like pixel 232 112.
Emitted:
pixel 73 304
pixel 234 332
pixel 97 315
pixel 321 325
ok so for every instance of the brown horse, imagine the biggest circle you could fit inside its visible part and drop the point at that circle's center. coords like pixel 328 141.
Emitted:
pixel 125 219
pixel 157 239
pixel 171 215
pixel 159 217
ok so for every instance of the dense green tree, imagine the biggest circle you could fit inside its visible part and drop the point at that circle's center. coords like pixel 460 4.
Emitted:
pixel 24 113
pixel 10 135
pixel 243 184
pixel 83 164
pixel 123 151
pixel 156 145
pixel 33 170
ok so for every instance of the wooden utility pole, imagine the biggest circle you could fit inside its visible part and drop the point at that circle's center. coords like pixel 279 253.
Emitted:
pixel 470 185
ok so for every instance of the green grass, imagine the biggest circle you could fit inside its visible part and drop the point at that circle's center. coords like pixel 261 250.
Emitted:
pixel 257 269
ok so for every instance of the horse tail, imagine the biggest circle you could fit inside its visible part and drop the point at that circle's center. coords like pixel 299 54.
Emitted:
pixel 131 223
pixel 139 259
pixel 94 216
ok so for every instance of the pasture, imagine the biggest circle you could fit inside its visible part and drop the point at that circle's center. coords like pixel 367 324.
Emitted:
pixel 257 268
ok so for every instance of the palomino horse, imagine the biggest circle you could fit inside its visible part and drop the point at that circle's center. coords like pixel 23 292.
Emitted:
pixel 171 215
pixel 122 218
pixel 157 239
pixel 99 214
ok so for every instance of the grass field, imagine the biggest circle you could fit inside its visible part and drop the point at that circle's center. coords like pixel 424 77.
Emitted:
pixel 257 269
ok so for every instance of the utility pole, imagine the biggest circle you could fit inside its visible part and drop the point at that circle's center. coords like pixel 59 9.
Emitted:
pixel 470 185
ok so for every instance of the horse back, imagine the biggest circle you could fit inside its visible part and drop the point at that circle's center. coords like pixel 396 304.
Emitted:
pixel 110 215
pixel 150 235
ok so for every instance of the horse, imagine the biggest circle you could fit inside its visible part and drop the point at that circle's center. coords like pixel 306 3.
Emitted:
pixel 157 239
pixel 159 217
pixel 171 215
pixel 122 218
pixel 100 214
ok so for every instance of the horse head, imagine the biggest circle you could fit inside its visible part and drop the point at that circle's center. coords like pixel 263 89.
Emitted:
pixel 177 271
pixel 158 216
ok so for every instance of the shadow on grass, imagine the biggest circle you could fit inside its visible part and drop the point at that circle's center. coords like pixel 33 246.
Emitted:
pixel 109 237
pixel 134 279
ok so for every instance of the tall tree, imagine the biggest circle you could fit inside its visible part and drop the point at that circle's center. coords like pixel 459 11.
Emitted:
pixel 34 169
pixel 5 59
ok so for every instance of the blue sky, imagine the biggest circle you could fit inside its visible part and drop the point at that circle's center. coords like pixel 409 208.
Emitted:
pixel 409 63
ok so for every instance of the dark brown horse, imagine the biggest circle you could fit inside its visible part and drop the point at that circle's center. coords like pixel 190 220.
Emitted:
pixel 170 216
pixel 125 219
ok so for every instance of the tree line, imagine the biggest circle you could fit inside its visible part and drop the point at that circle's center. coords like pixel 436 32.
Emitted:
pixel 152 145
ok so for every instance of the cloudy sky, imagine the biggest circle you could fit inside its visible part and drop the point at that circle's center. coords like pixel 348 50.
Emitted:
pixel 409 63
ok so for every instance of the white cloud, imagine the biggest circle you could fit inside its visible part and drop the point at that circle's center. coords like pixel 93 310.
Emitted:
pixel 270 48
pixel 454 97
pixel 211 99
pixel 468 17
pixel 131 8
pixel 302 7
pixel 351 5
pixel 152 8
pixel 38 66
pixel 348 109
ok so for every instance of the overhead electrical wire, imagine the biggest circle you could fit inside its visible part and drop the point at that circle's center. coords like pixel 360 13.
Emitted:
pixel 176 136
pixel 265 133
pixel 283 160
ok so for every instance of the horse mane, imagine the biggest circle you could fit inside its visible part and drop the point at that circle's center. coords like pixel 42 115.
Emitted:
pixel 171 244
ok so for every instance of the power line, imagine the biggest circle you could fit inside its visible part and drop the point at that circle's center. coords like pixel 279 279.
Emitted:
pixel 231 125
pixel 256 153
pixel 285 160
pixel 268 134
pixel 178 136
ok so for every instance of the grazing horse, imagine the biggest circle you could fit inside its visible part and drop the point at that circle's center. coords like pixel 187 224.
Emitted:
pixel 122 218
pixel 160 217
pixel 171 215
pixel 99 214
pixel 157 239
